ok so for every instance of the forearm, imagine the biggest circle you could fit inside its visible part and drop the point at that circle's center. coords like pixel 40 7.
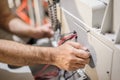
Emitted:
pixel 18 27
pixel 11 23
pixel 18 54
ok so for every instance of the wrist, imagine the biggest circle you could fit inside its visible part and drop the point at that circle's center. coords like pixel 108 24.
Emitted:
pixel 53 52
pixel 35 33
pixel 54 55
pixel 31 32
pixel 46 55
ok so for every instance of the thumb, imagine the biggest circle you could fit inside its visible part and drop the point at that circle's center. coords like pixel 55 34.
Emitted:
pixel 76 45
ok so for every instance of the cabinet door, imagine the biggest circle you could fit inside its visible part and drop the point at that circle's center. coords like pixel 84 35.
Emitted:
pixel 116 65
pixel 101 53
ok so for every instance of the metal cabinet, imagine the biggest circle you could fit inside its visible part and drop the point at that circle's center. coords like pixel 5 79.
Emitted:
pixel 101 53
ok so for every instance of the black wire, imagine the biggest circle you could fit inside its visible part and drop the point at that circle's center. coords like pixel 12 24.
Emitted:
pixel 71 75
pixel 74 32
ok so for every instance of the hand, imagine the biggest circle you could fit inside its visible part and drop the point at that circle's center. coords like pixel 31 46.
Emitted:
pixel 42 31
pixel 71 56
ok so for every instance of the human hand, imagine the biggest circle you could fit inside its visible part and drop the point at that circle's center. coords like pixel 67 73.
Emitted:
pixel 71 56
pixel 42 32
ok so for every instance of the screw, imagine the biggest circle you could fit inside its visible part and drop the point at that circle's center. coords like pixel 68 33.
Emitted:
pixel 108 72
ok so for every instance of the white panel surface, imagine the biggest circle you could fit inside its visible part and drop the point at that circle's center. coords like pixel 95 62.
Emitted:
pixel 101 54
pixel 105 53
pixel 89 11
pixel 103 58
pixel 116 65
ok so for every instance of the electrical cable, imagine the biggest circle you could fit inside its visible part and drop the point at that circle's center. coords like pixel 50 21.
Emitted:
pixel 71 75
pixel 64 38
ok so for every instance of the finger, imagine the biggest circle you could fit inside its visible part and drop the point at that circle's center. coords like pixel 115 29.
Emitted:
pixel 76 66
pixel 80 61
pixel 81 53
pixel 76 45
pixel 48 31
pixel 52 32
pixel 49 34
pixel 87 61
pixel 83 61
pixel 49 26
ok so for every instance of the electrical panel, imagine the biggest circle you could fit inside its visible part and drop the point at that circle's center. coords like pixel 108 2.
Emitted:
pixel 97 27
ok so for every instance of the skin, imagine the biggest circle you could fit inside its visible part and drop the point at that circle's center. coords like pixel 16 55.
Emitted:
pixel 11 23
pixel 69 56
pixel 22 29
pixel 19 54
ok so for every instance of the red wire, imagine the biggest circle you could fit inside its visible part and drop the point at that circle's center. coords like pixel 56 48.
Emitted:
pixel 43 69
pixel 54 73
pixel 66 38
